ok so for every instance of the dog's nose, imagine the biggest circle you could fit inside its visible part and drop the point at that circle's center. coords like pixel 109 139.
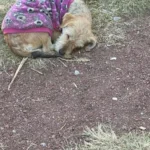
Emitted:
pixel 61 52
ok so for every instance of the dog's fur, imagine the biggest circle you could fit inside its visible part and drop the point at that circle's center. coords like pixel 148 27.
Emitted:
pixel 76 32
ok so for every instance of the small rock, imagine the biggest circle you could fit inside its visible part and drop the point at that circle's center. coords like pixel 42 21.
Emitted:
pixel 114 98
pixel 43 144
pixel 14 131
pixel 116 18
pixel 1 128
pixel 142 113
pixel 113 58
pixel 142 128
pixel 76 72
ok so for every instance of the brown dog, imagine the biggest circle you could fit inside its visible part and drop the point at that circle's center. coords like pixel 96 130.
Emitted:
pixel 76 30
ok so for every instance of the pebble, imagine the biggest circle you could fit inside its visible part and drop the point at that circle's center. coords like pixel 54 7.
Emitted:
pixel 116 18
pixel 113 58
pixel 142 113
pixel 43 144
pixel 114 98
pixel 14 131
pixel 76 72
pixel 142 128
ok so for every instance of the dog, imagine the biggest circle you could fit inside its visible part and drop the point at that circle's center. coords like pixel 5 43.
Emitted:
pixel 31 28
pixel 76 30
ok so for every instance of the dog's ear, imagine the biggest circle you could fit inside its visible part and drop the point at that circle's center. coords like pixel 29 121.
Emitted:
pixel 67 20
pixel 92 42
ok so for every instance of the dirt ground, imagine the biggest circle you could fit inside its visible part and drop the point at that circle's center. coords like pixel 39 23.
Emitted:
pixel 47 111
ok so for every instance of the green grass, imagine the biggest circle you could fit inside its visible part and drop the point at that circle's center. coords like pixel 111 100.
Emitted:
pixel 108 31
pixel 104 138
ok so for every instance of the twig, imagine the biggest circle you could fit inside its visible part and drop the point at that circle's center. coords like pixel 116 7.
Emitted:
pixel 52 63
pixel 36 71
pixel 75 85
pixel 59 129
pixel 77 59
pixel 32 144
pixel 17 71
pixel 62 62
pixel 62 127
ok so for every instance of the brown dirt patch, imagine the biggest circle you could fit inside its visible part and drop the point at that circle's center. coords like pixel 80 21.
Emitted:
pixel 54 108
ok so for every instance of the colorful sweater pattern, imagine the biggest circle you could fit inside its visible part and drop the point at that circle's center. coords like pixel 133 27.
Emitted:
pixel 35 16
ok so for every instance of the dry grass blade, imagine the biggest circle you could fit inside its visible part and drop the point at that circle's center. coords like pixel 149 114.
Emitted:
pixel 76 60
pixel 17 71
pixel 104 138
pixel 39 72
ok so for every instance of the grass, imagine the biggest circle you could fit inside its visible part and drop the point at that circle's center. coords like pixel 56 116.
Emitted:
pixel 108 17
pixel 106 25
pixel 104 138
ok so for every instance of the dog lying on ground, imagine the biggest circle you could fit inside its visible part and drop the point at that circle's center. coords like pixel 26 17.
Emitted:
pixel 76 30
pixel 30 27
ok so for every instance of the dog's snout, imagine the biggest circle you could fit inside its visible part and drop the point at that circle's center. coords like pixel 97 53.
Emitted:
pixel 61 52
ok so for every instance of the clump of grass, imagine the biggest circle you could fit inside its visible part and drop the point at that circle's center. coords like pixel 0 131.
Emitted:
pixel 104 138
pixel 108 30
pixel 127 7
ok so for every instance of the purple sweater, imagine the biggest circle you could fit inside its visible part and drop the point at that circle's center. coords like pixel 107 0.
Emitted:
pixel 35 16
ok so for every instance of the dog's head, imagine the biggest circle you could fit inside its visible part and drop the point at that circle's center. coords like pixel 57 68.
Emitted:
pixel 76 33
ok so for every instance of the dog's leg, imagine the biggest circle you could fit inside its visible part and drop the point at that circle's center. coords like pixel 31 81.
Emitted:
pixel 17 71
pixel 48 47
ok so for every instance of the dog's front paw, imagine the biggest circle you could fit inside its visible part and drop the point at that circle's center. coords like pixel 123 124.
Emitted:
pixel 67 56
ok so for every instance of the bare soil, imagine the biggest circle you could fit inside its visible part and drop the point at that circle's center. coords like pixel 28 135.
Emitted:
pixel 47 111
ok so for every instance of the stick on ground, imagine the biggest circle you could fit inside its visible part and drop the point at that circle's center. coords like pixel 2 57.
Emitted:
pixel 17 71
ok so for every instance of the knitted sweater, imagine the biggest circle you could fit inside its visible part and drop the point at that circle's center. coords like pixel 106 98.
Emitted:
pixel 35 16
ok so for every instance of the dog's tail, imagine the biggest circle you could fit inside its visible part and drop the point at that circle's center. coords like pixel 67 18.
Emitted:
pixel 41 54
pixel 92 43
